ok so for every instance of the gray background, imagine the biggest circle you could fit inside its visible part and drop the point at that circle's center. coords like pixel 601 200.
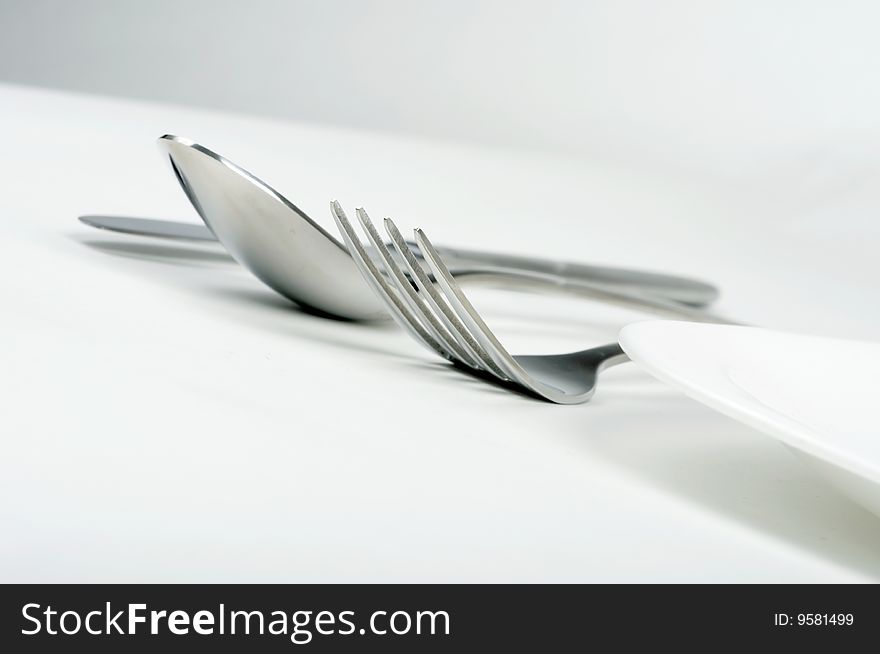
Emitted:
pixel 684 82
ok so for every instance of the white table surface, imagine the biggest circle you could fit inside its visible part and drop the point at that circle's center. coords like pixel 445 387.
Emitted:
pixel 166 418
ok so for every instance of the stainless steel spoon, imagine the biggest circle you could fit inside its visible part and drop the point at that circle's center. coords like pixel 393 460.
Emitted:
pixel 297 258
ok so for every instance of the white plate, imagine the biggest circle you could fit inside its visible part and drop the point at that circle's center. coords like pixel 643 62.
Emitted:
pixel 819 396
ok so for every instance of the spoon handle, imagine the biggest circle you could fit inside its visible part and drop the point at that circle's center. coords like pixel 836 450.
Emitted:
pixel 673 288
pixel 665 288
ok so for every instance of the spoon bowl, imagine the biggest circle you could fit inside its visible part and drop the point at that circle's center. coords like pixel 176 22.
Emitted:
pixel 269 235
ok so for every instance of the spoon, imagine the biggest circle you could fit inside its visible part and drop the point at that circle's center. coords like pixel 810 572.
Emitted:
pixel 816 395
pixel 296 257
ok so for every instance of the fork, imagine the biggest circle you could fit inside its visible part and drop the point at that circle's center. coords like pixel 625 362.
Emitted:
pixel 442 319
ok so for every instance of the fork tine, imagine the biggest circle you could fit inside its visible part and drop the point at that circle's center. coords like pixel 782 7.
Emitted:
pixel 468 314
pixel 374 278
pixel 411 297
pixel 441 308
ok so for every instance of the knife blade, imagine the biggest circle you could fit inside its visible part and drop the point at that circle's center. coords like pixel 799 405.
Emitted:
pixel 151 227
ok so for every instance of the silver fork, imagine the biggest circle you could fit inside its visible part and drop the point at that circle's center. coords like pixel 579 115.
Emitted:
pixel 441 318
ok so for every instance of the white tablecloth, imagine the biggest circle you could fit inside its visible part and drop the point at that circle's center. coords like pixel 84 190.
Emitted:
pixel 166 418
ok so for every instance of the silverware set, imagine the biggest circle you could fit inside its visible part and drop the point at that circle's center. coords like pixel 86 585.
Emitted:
pixel 371 276
pixel 414 282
